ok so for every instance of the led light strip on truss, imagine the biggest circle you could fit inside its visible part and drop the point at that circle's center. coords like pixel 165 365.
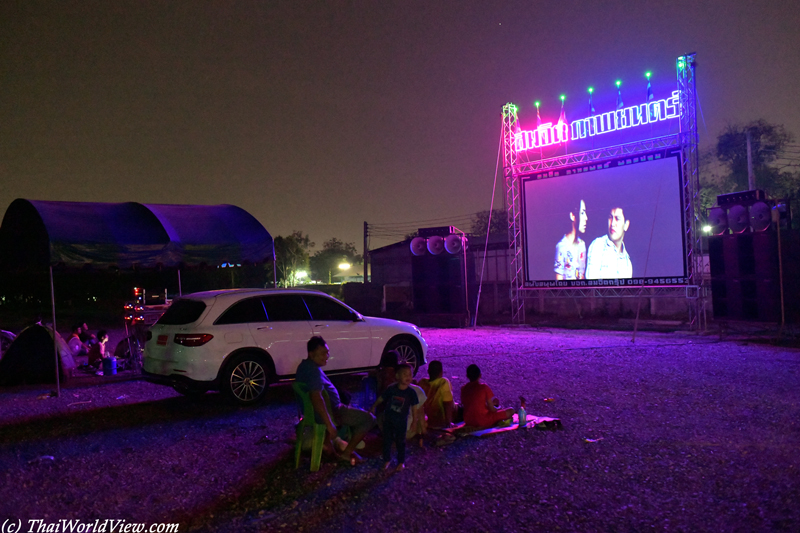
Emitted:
pixel 630 117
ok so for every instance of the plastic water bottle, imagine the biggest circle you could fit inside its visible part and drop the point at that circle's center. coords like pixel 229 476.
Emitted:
pixel 523 415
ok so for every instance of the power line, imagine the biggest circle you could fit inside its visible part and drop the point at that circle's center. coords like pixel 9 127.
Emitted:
pixel 460 218
pixel 393 231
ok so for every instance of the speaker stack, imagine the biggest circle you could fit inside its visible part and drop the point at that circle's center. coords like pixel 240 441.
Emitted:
pixel 437 270
pixel 743 255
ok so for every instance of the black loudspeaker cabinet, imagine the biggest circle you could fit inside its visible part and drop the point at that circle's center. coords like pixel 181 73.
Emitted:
pixel 438 283
pixel 745 281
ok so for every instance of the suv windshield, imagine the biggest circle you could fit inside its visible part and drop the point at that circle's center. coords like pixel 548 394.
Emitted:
pixel 182 312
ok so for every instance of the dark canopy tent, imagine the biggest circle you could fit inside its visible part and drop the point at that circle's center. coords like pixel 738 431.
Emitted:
pixel 125 235
pixel 129 235
pixel 212 235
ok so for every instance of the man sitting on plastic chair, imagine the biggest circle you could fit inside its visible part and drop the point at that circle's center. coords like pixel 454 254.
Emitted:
pixel 318 431
pixel 331 413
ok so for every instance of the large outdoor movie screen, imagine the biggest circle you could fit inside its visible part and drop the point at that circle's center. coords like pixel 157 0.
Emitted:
pixel 614 223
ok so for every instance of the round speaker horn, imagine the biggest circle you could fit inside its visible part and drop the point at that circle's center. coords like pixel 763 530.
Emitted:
pixel 436 245
pixel 718 220
pixel 418 246
pixel 453 244
pixel 738 219
pixel 760 216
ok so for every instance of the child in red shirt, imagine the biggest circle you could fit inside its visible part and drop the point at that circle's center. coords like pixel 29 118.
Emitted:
pixel 481 408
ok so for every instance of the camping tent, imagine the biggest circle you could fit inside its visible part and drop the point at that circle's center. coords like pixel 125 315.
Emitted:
pixel 29 359
pixel 38 233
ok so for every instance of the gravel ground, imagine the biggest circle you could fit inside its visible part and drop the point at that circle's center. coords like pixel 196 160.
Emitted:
pixel 675 432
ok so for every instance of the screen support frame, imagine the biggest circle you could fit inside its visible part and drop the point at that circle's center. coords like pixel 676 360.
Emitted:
pixel 516 165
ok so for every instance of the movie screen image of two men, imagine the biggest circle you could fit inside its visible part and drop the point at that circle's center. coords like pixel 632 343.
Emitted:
pixel 618 223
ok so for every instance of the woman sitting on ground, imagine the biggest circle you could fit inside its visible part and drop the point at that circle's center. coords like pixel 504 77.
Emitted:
pixel 481 408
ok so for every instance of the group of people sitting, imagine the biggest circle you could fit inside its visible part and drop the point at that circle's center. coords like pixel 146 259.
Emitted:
pixel 82 342
pixel 403 410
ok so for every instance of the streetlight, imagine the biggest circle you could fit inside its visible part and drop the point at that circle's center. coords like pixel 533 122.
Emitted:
pixel 344 265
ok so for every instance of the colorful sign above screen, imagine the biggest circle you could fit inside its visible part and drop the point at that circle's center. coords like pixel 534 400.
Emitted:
pixel 549 134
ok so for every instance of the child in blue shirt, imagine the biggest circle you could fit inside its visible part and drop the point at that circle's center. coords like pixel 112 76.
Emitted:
pixel 399 399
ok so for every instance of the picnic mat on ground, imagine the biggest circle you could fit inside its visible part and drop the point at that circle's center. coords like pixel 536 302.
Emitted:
pixel 536 422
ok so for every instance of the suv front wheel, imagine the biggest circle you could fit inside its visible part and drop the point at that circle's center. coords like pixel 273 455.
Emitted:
pixel 408 351
pixel 246 379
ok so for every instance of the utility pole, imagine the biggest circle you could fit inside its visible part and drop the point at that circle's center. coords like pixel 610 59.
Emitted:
pixel 366 252
pixel 751 179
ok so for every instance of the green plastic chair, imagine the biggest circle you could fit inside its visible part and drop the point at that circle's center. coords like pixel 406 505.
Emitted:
pixel 308 420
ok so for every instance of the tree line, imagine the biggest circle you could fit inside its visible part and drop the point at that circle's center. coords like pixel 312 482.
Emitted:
pixel 774 156
pixel 296 265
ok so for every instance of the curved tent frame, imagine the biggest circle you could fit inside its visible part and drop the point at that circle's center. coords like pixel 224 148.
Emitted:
pixel 212 235
pixel 130 235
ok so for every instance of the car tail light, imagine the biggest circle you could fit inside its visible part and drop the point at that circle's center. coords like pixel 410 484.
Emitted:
pixel 162 340
pixel 192 339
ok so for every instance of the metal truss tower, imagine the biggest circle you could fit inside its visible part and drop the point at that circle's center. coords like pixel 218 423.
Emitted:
pixel 514 210
pixel 685 66
pixel 516 165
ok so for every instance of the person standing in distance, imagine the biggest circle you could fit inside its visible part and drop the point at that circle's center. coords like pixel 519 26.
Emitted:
pixel 607 257
pixel 570 260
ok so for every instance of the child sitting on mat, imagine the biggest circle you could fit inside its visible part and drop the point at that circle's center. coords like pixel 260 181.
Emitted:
pixel 387 368
pixel 481 408
pixel 399 399
pixel 419 428
pixel 439 407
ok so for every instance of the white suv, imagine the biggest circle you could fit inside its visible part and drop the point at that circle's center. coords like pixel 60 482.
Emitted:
pixel 239 341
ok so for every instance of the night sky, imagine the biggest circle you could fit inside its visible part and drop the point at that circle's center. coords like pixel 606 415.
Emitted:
pixel 318 116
